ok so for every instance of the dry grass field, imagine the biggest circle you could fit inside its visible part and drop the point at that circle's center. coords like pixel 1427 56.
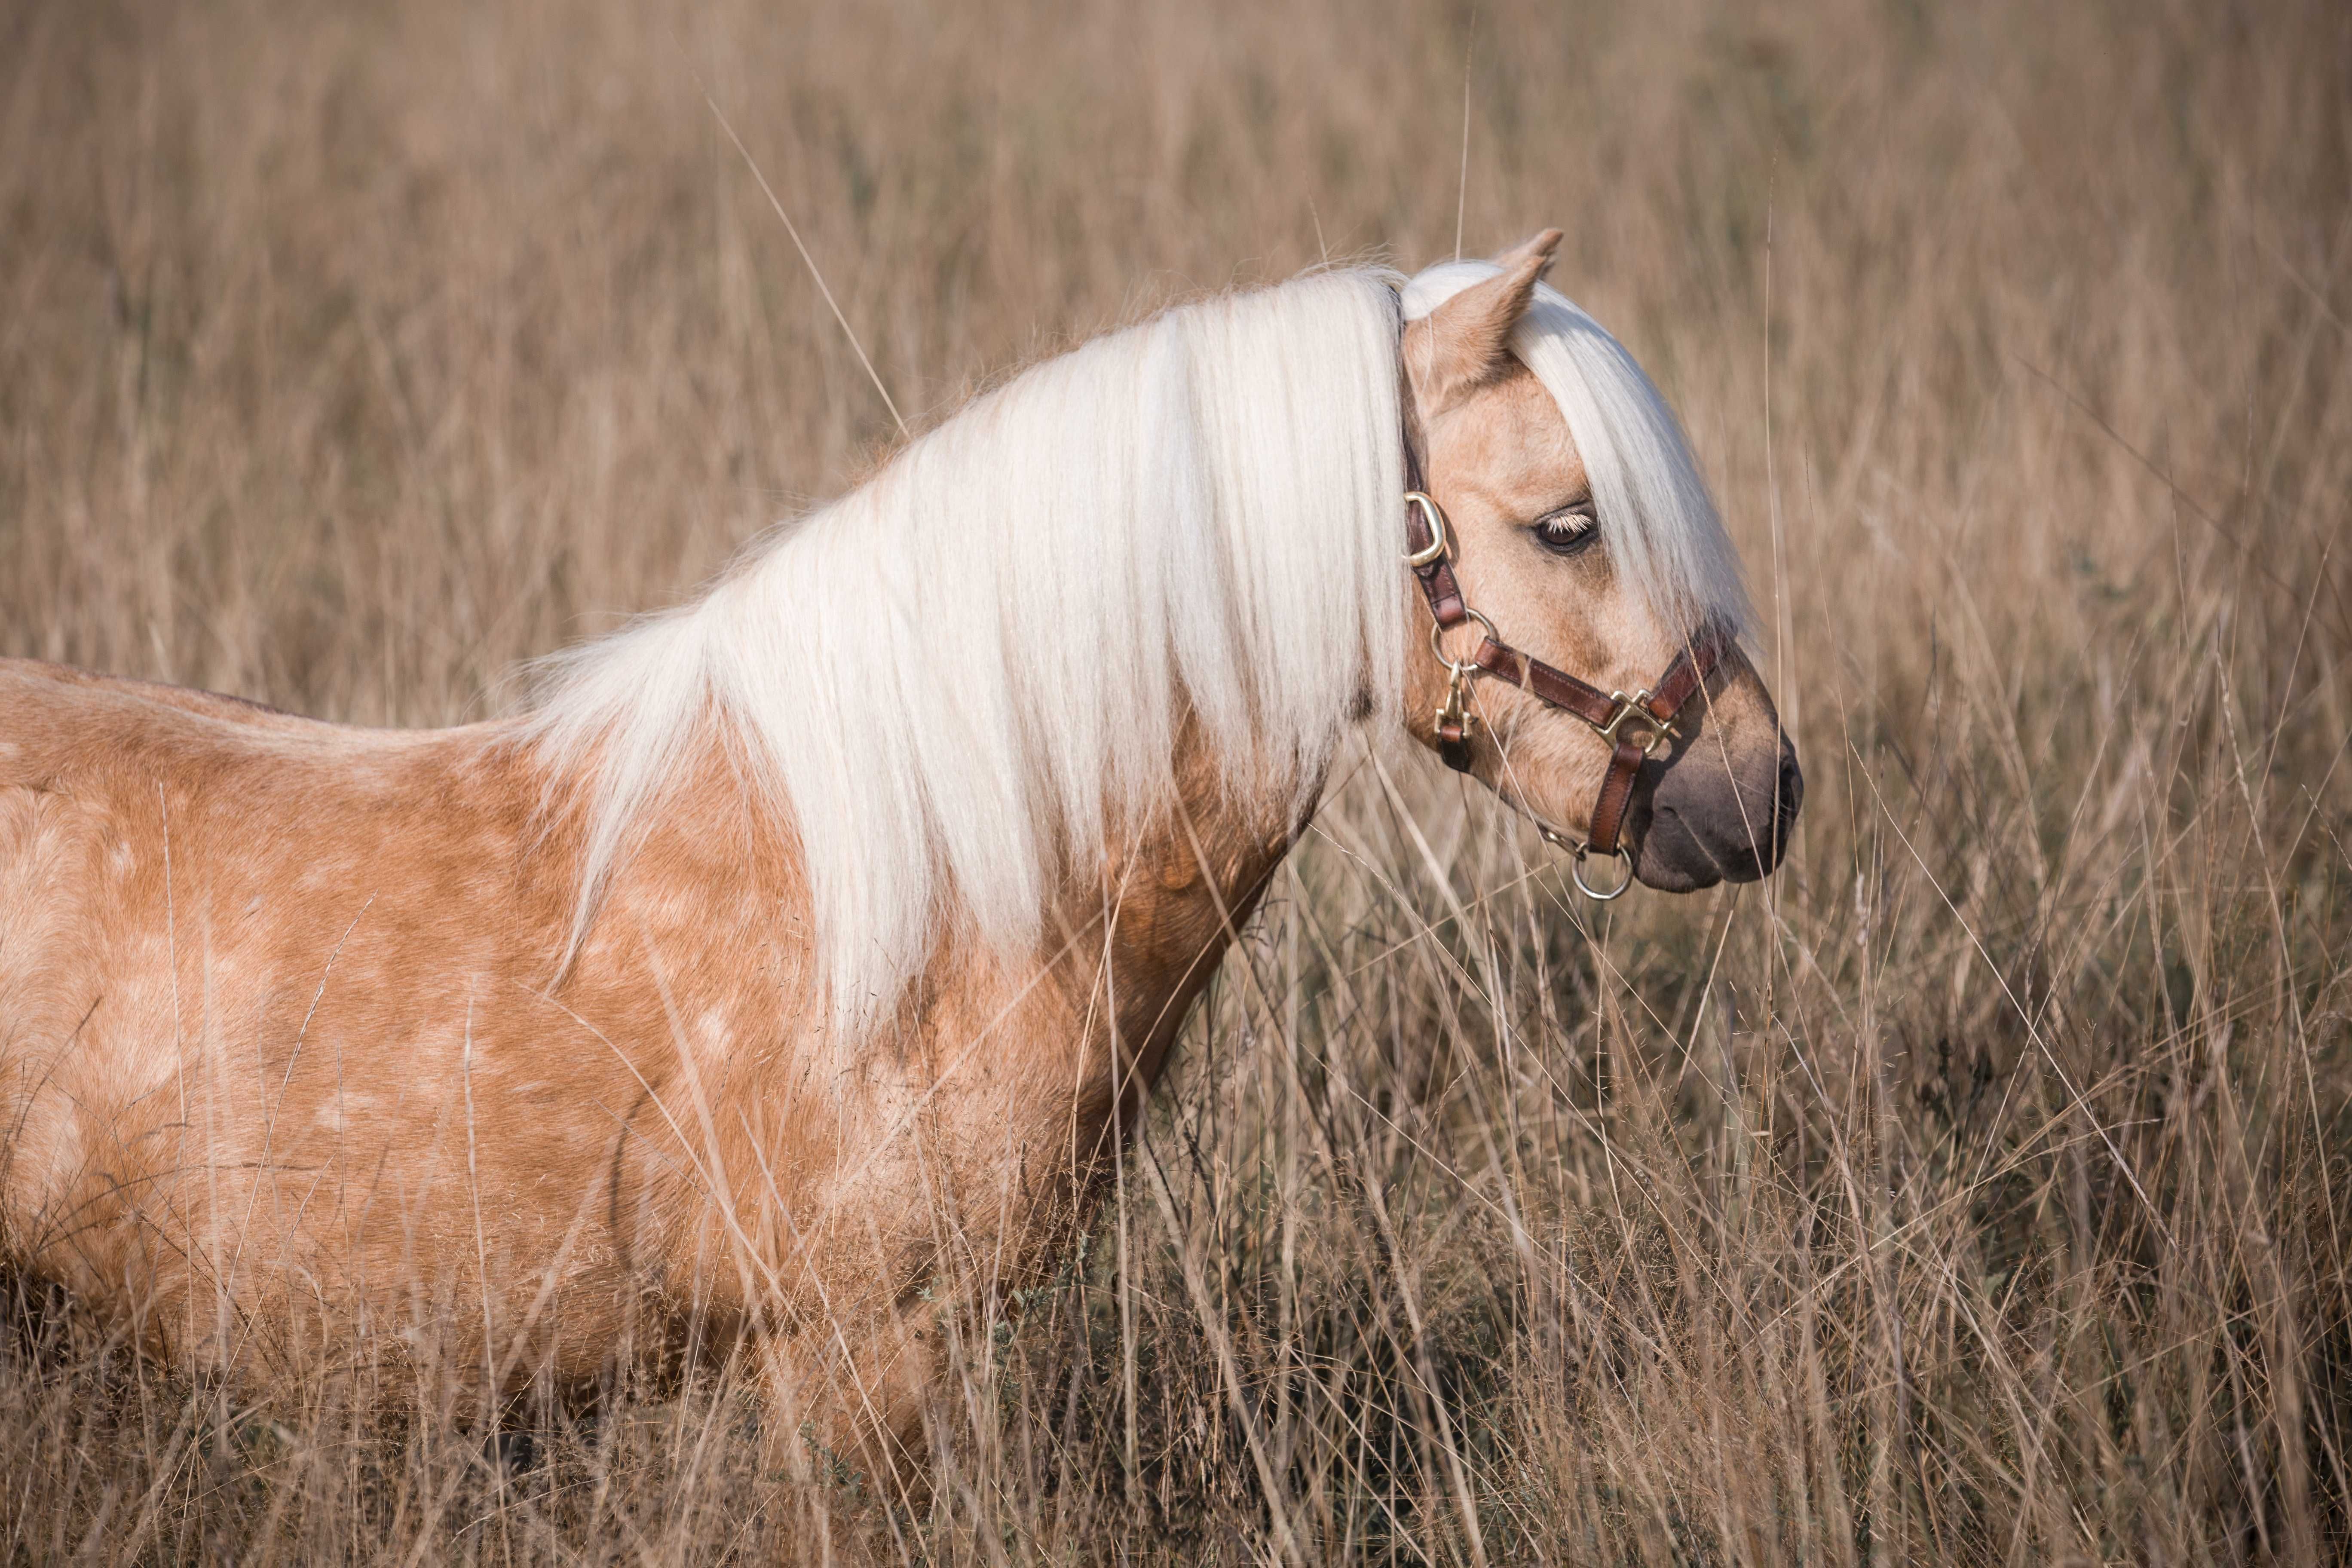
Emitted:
pixel 1978 1189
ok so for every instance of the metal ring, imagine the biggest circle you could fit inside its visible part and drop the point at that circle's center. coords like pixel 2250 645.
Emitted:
pixel 1576 874
pixel 1437 630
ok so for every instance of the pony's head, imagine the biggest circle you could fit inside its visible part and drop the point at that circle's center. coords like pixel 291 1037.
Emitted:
pixel 1580 537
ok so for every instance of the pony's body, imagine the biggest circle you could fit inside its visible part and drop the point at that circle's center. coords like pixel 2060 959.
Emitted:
pixel 286 1053
pixel 814 939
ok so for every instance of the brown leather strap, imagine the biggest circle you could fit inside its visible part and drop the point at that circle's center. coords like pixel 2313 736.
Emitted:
pixel 1616 794
pixel 1446 605
pixel 1555 687
pixel 1687 674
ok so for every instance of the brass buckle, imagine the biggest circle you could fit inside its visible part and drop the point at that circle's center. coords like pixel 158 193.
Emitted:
pixel 1637 708
pixel 1438 545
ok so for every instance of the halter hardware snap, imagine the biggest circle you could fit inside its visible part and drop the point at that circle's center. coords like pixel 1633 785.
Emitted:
pixel 1453 720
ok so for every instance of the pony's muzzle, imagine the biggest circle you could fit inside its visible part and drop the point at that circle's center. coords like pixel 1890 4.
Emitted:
pixel 1697 821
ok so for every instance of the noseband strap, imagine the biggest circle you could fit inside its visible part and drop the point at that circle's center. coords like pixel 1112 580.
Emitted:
pixel 1637 727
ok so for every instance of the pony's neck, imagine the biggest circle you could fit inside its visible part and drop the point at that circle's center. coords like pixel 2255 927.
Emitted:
pixel 1168 908
pixel 960 678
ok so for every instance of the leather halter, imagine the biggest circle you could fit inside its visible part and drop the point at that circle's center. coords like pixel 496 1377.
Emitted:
pixel 1637 727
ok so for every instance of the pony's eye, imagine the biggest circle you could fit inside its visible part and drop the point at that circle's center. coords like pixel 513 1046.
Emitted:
pixel 1569 530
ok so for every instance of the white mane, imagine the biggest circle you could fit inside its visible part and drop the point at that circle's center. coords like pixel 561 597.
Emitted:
pixel 950 678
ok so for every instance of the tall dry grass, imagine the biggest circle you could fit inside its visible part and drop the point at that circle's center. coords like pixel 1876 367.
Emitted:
pixel 1977 1189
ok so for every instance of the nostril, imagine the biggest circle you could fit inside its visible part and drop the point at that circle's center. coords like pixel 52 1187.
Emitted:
pixel 1792 784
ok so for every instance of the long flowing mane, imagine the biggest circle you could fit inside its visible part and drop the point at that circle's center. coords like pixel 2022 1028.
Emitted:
pixel 950 681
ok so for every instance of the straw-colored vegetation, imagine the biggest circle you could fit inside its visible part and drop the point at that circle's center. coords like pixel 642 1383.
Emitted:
pixel 1978 1189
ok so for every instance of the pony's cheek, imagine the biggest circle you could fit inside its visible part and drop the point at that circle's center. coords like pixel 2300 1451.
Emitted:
pixel 1539 761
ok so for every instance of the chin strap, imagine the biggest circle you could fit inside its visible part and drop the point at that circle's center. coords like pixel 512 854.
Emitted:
pixel 1637 727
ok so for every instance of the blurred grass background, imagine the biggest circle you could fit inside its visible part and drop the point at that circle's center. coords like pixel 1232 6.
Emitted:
pixel 1976 1190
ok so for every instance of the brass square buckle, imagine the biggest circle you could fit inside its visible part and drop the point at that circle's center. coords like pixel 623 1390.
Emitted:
pixel 1636 708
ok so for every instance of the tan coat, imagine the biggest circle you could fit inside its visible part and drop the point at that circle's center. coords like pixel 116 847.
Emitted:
pixel 286 1052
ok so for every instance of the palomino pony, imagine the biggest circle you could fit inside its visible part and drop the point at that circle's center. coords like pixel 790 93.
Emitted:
pixel 855 905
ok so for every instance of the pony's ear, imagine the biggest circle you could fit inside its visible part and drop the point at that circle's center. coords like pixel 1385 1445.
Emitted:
pixel 1464 343
pixel 1537 247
